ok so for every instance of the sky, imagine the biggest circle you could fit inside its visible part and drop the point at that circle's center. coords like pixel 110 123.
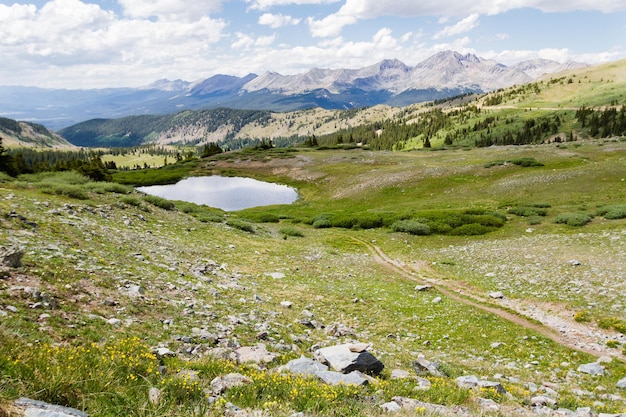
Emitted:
pixel 79 44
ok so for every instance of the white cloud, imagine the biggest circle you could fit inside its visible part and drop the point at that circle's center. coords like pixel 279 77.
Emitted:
pixel 170 9
pixel 245 41
pixel 277 20
pixel 364 9
pixel 69 39
pixel 268 4
pixel 462 26
pixel 329 26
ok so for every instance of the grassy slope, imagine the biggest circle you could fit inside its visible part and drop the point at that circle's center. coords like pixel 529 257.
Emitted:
pixel 83 253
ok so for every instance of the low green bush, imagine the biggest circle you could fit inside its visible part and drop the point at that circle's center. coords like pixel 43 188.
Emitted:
pixel 161 202
pixel 528 211
pixel 470 229
pixel 322 224
pixel 68 190
pixel 613 212
pixel 291 231
pixel 4 177
pixel 412 227
pixel 101 187
pixel 209 218
pixel 526 162
pixel 573 219
pixel 241 225
pixel 131 201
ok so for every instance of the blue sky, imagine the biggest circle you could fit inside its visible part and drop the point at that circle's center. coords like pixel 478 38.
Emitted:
pixel 118 43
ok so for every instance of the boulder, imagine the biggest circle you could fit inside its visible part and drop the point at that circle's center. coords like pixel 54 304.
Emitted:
pixel 11 256
pixel 621 383
pixel 593 368
pixel 496 294
pixel 343 359
pixel 222 383
pixel 425 367
pixel 305 366
pixel 33 408
pixel 337 378
pixel 257 354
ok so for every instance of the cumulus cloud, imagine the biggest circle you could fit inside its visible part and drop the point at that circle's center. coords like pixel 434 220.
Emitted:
pixel 364 9
pixel 277 20
pixel 169 9
pixel 268 4
pixel 66 38
pixel 462 26
pixel 329 26
pixel 245 41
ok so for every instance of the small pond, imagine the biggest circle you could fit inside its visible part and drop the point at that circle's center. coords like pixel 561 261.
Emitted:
pixel 226 193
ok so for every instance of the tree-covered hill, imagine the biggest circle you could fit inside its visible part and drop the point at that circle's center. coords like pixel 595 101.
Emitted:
pixel 29 135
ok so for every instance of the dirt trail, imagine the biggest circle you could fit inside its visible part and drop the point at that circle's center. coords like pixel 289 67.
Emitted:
pixel 569 333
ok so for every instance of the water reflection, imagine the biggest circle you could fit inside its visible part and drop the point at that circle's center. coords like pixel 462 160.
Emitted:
pixel 226 193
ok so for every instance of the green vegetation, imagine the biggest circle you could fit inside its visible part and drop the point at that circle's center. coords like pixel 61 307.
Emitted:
pixel 573 219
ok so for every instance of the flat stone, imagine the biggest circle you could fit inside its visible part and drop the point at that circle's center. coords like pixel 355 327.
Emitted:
pixel 542 400
pixel 400 374
pixel 423 366
pixel 276 275
pixel 257 354
pixel 467 381
pixel 33 408
pixel 423 287
pixel 593 368
pixel 496 294
pixel 305 366
pixel 221 384
pixel 391 407
pixel 621 383
pixel 336 378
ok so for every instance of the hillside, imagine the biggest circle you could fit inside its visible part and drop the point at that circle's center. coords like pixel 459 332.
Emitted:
pixel 17 134
pixel 131 306
pixel 536 112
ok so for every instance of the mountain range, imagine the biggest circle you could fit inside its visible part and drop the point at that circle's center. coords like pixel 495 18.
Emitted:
pixel 389 82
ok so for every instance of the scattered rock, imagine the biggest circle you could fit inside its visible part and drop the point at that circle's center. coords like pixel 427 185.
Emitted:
pixel 336 378
pixel 286 304
pixel 257 354
pixel 488 405
pixel 11 256
pixel 436 300
pixel 339 330
pixel 593 368
pixel 431 409
pixel 114 322
pixel 391 407
pixel 163 352
pixel 400 374
pixel 542 401
pixel 344 360
pixel 223 383
pixel 276 275
pixel 33 408
pixel 305 366
pixel 471 381
pixel 423 287
pixel 575 262
pixel 425 367
pixel 154 396
pixel 496 295
pixel 621 383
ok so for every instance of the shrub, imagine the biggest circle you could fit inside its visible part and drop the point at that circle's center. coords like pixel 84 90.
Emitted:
pixel 322 224
pixel 131 201
pixel 157 201
pixel 528 211
pixel 412 227
pixel 209 218
pixel 526 162
pixel 102 187
pixel 614 212
pixel 343 222
pixel 471 229
pixel 4 177
pixel 612 344
pixel 573 219
pixel 582 316
pixel 614 323
pixel 534 220
pixel 68 190
pixel 291 231
pixel 268 218
pixel 369 221
pixel 241 225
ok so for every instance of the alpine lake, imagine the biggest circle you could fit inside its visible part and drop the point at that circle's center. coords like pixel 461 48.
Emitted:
pixel 226 193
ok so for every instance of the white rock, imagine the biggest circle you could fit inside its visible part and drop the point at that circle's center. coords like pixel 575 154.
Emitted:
pixel 436 300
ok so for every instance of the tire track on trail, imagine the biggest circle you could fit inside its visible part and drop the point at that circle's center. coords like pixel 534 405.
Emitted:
pixel 574 340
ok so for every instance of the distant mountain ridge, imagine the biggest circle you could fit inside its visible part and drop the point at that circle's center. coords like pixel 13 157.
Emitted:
pixel 387 82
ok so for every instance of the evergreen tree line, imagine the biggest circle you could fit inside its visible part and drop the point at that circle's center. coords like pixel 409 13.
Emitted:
pixel 29 161
pixel 603 123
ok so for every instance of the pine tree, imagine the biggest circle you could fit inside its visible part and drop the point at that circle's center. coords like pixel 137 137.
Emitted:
pixel 6 161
